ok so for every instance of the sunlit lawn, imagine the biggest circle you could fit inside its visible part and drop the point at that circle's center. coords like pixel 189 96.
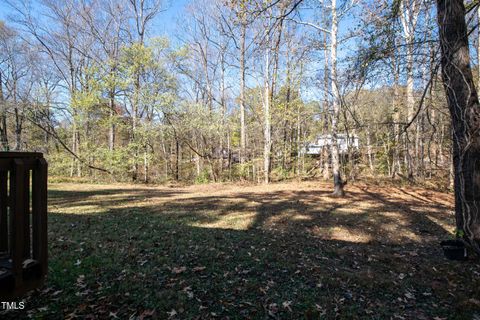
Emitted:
pixel 288 251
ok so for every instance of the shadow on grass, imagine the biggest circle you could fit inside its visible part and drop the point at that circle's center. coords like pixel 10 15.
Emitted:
pixel 104 197
pixel 255 255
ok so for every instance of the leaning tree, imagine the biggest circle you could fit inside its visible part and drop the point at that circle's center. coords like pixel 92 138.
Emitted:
pixel 464 109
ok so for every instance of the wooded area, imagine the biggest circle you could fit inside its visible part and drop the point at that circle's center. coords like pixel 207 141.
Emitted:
pixel 145 95
pixel 234 93
pixel 241 89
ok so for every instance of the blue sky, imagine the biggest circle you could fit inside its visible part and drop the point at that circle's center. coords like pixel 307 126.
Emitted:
pixel 164 23
pixel 167 22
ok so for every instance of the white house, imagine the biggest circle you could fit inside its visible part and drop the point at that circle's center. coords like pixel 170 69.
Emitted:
pixel 344 143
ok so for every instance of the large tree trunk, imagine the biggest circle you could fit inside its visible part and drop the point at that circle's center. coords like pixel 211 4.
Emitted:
pixel 465 113
pixel 337 178
pixel 478 49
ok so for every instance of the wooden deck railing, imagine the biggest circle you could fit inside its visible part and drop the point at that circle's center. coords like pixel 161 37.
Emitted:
pixel 23 222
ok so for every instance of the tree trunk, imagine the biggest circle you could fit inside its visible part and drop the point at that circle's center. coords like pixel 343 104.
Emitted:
pixel 77 151
pixel 3 128
pixel 410 96
pixel 177 160
pixel 326 112
pixel 3 119
pixel 145 165
pixel 134 138
pixel 369 151
pixel 111 130
pixel 18 129
pixel 478 49
pixel 397 166
pixel 464 109
pixel 285 151
pixel 18 119
pixel 266 112
pixel 242 92
pixel 300 145
pixel 74 147
pixel 337 178
pixel 224 131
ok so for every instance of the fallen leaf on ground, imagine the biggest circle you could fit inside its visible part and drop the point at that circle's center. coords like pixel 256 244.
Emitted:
pixel 178 270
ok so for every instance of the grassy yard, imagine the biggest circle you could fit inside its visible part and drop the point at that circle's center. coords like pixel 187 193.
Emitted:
pixel 286 251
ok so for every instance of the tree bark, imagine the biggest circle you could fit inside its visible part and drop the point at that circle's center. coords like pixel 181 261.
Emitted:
pixel 397 165
pixel 243 137
pixel 326 112
pixel 369 151
pixel 111 129
pixel 337 178
pixel 478 49
pixel 18 128
pixel 18 118
pixel 464 109
pixel 134 138
pixel 3 119
pixel 177 160
pixel 266 112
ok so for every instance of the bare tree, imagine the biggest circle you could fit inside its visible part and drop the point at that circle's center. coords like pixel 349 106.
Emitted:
pixel 144 11
pixel 242 16
pixel 337 178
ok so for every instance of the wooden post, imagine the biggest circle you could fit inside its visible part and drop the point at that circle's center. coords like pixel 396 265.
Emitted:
pixel 3 211
pixel 25 189
pixel 39 213
pixel 17 219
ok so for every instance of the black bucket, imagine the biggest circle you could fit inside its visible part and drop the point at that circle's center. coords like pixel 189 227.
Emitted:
pixel 454 250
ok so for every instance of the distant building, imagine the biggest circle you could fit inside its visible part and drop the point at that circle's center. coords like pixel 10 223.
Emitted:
pixel 344 143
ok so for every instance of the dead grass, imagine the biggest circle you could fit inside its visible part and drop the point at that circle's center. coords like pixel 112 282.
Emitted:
pixel 226 251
